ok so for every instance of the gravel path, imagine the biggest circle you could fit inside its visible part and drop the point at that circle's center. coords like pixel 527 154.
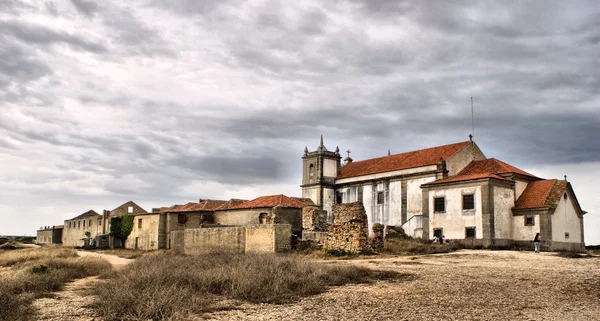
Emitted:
pixel 467 285
pixel 71 303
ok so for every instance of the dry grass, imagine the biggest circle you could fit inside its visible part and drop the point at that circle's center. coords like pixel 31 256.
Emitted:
pixel 169 286
pixel 123 253
pixel 399 246
pixel 37 273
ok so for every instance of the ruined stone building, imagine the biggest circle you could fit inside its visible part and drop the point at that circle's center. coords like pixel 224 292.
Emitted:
pixel 451 190
pixel 83 228
pixel 49 235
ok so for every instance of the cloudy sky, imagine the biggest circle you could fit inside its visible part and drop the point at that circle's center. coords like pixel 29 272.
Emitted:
pixel 165 102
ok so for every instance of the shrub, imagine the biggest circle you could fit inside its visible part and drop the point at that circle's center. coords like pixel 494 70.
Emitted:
pixel 167 285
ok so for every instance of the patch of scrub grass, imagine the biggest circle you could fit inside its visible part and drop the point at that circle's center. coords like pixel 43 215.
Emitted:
pixel 36 273
pixel 171 286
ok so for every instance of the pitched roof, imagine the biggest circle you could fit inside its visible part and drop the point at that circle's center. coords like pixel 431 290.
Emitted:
pixel 271 201
pixel 467 177
pixel 487 168
pixel 231 203
pixel 494 166
pixel 542 194
pixel 88 213
pixel 418 158
pixel 123 209
pixel 305 200
pixel 203 205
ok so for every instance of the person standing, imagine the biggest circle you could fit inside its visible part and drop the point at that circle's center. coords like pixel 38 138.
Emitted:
pixel 536 243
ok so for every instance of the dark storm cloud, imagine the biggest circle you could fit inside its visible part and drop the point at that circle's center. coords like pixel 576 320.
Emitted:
pixel 36 34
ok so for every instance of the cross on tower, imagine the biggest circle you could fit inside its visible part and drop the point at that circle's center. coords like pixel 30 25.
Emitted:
pixel 348 152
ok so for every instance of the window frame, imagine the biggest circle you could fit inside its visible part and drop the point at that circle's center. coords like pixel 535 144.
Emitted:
pixel 139 223
pixel 527 217
pixel 463 202
pixel 470 228
pixel 381 195
pixel 435 209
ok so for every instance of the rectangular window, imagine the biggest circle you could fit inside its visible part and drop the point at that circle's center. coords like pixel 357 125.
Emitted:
pixel 567 233
pixel 529 221
pixel 439 204
pixel 469 202
pixel 130 209
pixel 83 223
pixel 470 232
pixel 139 223
pixel 78 224
pixel 99 222
pixel 90 222
pixel 438 232
pixel 379 198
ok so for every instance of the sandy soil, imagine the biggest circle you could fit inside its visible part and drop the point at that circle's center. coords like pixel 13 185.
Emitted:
pixel 71 303
pixel 466 285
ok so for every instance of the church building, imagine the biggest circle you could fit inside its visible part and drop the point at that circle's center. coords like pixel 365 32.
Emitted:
pixel 452 191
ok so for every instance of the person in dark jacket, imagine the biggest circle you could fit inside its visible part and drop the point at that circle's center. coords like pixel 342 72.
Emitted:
pixel 536 243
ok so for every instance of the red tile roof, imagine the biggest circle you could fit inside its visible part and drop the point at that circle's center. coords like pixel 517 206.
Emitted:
pixel 231 203
pixel 204 205
pixel 541 194
pixel 418 158
pixel 467 177
pixel 271 201
pixel 492 165
pixel 487 168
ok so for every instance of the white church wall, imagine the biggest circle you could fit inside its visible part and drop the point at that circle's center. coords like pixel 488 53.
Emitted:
pixel 504 201
pixel 565 220
pixel 414 195
pixel 312 193
pixel 522 232
pixel 367 197
pixel 453 221
pixel 519 188
pixel 329 168
pixel 328 201
pixel 395 204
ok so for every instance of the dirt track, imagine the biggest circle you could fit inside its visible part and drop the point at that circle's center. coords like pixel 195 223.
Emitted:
pixel 467 285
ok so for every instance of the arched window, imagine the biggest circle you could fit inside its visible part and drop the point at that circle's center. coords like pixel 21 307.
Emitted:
pixel 311 173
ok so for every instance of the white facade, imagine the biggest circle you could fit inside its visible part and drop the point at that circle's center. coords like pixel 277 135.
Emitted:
pixel 523 232
pixel 329 168
pixel 566 226
pixel 455 220
pixel 504 201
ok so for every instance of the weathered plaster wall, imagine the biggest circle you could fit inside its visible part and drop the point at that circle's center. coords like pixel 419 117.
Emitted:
pixel 329 167
pixel 49 236
pixel 454 221
pixel 565 220
pixel 312 193
pixel 145 237
pixel 367 199
pixel 395 204
pixel 414 195
pixel 519 187
pixel 292 216
pixel 328 201
pixel 504 200
pixel 74 235
pixel 463 157
pixel 522 232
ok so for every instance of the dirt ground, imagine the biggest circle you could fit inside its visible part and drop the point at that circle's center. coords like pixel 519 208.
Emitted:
pixel 465 285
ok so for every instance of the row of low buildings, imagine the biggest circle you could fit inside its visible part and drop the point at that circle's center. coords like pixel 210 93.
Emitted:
pixel 452 190
pixel 153 230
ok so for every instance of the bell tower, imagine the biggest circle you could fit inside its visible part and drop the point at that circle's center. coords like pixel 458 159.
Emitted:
pixel 319 171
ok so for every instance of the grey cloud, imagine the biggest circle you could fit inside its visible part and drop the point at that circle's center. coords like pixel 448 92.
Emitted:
pixel 33 34
pixel 87 8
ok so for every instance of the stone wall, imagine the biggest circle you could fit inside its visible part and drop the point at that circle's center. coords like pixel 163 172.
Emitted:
pixel 265 238
pixel 314 219
pixel 145 234
pixel 49 236
pixel 349 231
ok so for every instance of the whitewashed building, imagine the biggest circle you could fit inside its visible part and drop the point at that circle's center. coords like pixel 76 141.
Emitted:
pixel 452 191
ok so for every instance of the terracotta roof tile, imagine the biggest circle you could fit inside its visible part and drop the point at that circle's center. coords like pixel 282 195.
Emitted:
pixel 231 203
pixel 204 205
pixel 271 201
pixel 418 158
pixel 492 165
pixel 541 194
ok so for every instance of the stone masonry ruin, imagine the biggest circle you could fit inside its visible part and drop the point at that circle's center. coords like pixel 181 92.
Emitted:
pixel 350 229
